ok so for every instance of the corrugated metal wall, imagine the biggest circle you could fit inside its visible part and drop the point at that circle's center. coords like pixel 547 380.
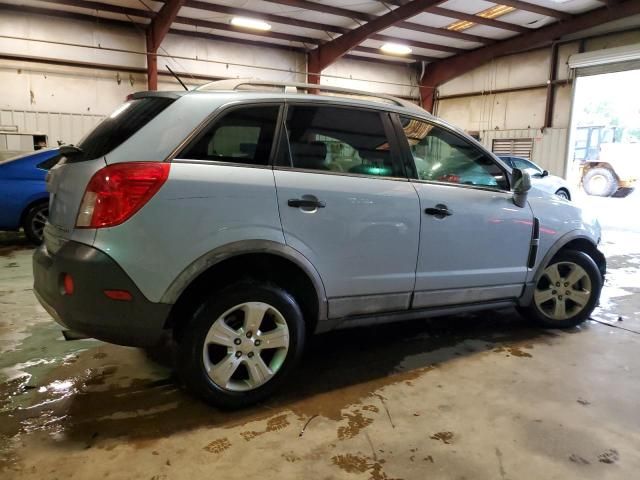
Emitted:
pixel 549 148
pixel 66 127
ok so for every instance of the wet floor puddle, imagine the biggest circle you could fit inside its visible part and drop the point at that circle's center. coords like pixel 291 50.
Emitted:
pixel 95 397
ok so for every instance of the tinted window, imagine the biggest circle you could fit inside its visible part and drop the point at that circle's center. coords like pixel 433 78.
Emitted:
pixel 442 156
pixel 120 125
pixel 340 140
pixel 524 164
pixel 244 135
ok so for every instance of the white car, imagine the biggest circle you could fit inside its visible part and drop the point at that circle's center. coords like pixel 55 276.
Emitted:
pixel 540 178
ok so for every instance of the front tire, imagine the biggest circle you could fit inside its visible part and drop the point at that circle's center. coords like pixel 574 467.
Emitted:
pixel 241 344
pixel 567 292
pixel 34 222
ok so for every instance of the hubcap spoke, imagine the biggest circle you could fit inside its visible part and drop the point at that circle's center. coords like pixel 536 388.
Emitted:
pixel 560 309
pixel 580 297
pixel 577 274
pixel 259 372
pixel 542 296
pixel 553 274
pixel 278 338
pixel 253 316
pixel 221 372
pixel 221 334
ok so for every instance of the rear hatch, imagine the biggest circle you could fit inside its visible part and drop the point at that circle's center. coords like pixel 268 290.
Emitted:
pixel 66 181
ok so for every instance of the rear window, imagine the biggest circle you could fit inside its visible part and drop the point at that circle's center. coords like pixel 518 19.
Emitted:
pixel 120 125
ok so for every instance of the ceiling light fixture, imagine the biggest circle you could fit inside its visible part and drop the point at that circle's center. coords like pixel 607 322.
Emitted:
pixel 251 23
pixel 493 12
pixel 395 49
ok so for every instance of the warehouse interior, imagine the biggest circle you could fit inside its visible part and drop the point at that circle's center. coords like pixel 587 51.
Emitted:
pixel 481 395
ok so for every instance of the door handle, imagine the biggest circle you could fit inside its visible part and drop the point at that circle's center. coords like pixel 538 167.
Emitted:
pixel 439 211
pixel 305 203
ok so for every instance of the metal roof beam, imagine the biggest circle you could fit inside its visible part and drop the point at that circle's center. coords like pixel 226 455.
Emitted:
pixel 519 4
pixel 355 15
pixel 329 52
pixel 445 12
pixel 212 7
pixel 157 30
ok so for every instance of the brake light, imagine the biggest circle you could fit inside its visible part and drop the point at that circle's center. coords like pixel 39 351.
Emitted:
pixel 68 286
pixel 117 191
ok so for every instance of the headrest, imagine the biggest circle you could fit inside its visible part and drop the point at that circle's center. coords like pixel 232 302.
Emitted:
pixel 309 155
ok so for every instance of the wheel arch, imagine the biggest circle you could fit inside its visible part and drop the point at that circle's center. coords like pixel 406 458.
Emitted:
pixel 260 259
pixel 572 241
pixel 565 190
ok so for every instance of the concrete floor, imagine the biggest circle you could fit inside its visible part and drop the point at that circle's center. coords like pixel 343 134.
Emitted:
pixel 467 397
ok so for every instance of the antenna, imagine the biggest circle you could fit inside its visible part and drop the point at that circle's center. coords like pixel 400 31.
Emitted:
pixel 177 77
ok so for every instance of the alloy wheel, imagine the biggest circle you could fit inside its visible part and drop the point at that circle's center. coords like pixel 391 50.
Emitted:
pixel 246 346
pixel 563 291
pixel 38 222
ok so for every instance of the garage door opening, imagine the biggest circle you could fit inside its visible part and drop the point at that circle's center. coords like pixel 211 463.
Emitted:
pixel 604 146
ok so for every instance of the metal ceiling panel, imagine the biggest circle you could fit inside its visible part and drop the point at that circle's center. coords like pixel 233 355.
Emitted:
pixel 491 32
pixel 467 6
pixel 570 6
pixel 426 37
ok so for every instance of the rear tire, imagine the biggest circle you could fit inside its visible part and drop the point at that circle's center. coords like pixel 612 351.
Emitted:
pixel 600 182
pixel 241 344
pixel 567 292
pixel 34 222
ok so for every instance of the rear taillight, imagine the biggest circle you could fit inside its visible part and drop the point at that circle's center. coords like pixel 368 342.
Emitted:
pixel 117 191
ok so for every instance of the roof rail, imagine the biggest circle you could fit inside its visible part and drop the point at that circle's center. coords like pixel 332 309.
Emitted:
pixel 235 83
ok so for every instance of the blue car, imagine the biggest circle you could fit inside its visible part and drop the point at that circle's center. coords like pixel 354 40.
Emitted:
pixel 24 200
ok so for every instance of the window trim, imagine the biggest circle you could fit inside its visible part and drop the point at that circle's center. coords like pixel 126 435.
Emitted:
pixel 387 125
pixel 216 115
pixel 409 157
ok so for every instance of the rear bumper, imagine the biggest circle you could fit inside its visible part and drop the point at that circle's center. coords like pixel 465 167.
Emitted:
pixel 88 310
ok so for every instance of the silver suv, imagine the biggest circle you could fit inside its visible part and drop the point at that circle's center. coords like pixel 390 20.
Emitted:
pixel 241 217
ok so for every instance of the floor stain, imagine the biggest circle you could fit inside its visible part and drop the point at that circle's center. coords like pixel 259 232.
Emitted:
pixel 357 464
pixel 291 457
pixel 609 456
pixel 356 421
pixel 578 459
pixel 514 351
pixel 274 424
pixel 278 423
pixel 444 437
pixel 218 446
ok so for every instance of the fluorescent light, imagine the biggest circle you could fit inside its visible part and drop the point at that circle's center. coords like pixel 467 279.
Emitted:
pixel 493 12
pixel 496 11
pixel 252 23
pixel 395 49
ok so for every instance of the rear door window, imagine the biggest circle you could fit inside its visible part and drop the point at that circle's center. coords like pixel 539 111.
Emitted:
pixel 114 130
pixel 243 135
pixel 338 139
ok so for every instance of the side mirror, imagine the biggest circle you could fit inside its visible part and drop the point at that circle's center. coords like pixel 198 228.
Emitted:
pixel 521 186
pixel 544 173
